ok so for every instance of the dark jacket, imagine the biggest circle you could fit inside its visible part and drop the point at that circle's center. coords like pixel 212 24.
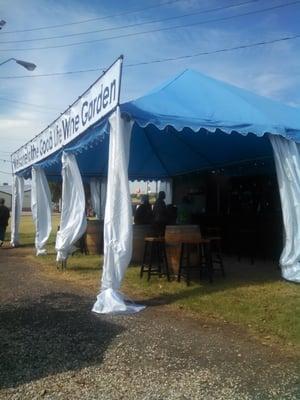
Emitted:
pixel 143 215
pixel 4 215
pixel 160 211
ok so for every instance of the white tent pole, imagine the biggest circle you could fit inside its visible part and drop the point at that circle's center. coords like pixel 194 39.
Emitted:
pixel 73 219
pixel 287 162
pixel 117 221
pixel 169 191
pixel 41 208
pixel 103 191
pixel 95 188
pixel 17 202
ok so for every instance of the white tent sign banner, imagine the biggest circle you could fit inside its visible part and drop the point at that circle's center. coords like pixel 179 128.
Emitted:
pixel 99 100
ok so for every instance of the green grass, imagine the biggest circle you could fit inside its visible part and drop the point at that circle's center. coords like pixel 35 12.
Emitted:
pixel 252 296
pixel 27 230
pixel 261 302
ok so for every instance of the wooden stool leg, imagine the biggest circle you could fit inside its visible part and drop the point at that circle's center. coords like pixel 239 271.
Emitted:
pixel 219 257
pixel 208 260
pixel 152 251
pixel 184 253
pixel 165 260
pixel 158 258
pixel 188 265
pixel 221 264
pixel 144 259
pixel 200 258
pixel 180 263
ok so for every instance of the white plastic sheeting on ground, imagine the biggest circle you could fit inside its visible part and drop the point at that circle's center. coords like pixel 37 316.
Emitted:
pixel 117 221
pixel 41 209
pixel 98 196
pixel 167 187
pixel 287 161
pixel 73 220
pixel 17 202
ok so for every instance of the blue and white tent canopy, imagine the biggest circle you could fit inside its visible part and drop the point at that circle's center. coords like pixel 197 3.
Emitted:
pixel 183 126
pixel 195 101
pixel 190 123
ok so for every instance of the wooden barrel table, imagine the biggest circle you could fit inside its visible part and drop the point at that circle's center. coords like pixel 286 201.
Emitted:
pixel 174 236
pixel 94 236
pixel 139 232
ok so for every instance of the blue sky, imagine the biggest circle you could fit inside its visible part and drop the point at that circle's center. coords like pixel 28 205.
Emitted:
pixel 272 70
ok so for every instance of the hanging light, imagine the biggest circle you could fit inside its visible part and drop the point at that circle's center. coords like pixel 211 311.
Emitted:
pixel 25 64
pixel 28 65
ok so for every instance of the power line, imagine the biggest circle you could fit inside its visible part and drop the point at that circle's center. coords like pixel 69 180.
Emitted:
pixel 204 53
pixel 93 19
pixel 157 30
pixel 45 109
pixel 162 60
pixel 7 173
pixel 135 24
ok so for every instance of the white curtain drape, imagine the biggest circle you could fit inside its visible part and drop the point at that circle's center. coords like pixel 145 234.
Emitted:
pixel 98 196
pixel 73 219
pixel 103 192
pixel 117 221
pixel 287 161
pixel 95 187
pixel 41 209
pixel 167 187
pixel 17 202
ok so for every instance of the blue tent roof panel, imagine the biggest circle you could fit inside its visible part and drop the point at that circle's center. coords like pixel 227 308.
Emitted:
pixel 196 101
pixel 162 154
pixel 189 123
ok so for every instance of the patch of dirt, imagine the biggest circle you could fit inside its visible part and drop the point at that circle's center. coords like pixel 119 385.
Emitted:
pixel 53 347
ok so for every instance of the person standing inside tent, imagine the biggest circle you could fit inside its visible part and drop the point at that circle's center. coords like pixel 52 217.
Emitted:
pixel 4 217
pixel 160 214
pixel 143 214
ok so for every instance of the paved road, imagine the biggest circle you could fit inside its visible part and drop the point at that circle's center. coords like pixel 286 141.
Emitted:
pixel 53 347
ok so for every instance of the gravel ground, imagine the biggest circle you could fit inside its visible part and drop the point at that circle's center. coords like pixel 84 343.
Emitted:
pixel 53 347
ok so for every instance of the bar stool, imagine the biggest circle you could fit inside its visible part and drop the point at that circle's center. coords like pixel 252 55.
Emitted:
pixel 216 252
pixel 155 259
pixel 214 235
pixel 204 264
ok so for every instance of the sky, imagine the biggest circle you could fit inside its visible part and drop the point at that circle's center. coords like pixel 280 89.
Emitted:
pixel 29 103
